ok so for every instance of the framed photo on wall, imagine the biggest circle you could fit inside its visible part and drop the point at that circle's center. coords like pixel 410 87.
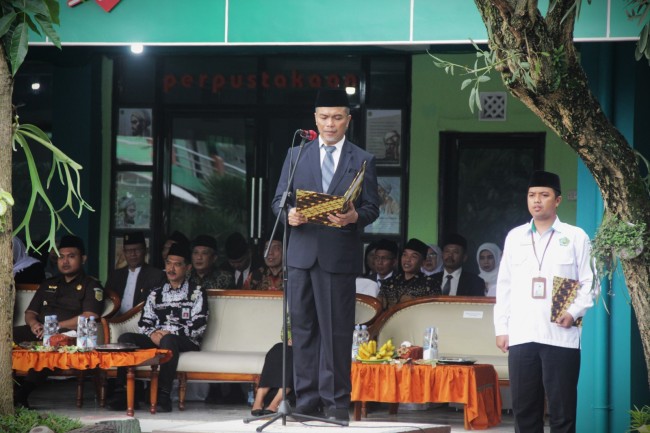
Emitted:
pixel 133 200
pixel 390 193
pixel 384 136
pixel 134 143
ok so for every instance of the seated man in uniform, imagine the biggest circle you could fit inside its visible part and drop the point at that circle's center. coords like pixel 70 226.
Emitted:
pixel 68 295
pixel 134 281
pixel 174 317
pixel 204 265
pixel 411 282
pixel 453 280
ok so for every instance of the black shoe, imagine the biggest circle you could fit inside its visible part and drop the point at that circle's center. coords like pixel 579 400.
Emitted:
pixel 342 415
pixel 21 392
pixel 311 411
pixel 164 402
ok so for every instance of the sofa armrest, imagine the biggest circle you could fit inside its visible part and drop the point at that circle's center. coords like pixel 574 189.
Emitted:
pixel 112 303
pixel 116 326
pixel 367 309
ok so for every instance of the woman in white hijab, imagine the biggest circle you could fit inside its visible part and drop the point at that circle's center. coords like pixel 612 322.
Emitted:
pixel 488 257
pixel 433 261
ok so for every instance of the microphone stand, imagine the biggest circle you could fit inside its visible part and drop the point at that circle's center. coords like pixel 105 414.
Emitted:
pixel 284 409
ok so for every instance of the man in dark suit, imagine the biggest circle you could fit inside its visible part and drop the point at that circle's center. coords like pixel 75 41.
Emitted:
pixel 324 261
pixel 134 282
pixel 453 280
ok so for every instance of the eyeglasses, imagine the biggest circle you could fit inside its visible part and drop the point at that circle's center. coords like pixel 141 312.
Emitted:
pixel 431 255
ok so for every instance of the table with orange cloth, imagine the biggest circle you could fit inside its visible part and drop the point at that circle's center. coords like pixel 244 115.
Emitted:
pixel 24 360
pixel 475 386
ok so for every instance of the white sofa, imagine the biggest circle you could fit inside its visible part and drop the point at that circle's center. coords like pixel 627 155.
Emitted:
pixel 243 325
pixel 465 329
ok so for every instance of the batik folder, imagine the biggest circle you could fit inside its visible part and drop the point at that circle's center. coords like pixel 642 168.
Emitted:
pixel 565 291
pixel 316 206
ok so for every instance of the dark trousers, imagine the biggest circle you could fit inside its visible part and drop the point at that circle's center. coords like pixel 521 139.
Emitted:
pixel 536 369
pixel 175 343
pixel 321 305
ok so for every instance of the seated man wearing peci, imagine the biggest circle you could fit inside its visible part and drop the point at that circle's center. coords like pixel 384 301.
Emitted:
pixel 68 295
pixel 174 317
pixel 134 281
pixel 205 272
pixel 411 282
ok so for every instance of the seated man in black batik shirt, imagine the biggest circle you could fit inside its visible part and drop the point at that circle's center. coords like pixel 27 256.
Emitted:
pixel 174 317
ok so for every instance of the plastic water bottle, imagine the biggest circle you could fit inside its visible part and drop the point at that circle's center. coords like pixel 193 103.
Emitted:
pixel 48 330
pixel 251 395
pixel 91 341
pixel 430 343
pixel 82 332
pixel 364 337
pixel 356 341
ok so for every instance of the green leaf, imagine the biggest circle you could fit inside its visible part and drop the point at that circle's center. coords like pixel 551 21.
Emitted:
pixel 53 7
pixel 465 84
pixel 31 24
pixel 643 37
pixel 18 51
pixel 477 96
pixel 472 97
pixel 483 78
pixel 525 65
pixel 6 22
pixel 47 27
pixel 638 53
pixel 35 7
pixel 545 54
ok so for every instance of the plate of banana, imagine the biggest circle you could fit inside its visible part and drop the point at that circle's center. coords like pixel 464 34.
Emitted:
pixel 369 354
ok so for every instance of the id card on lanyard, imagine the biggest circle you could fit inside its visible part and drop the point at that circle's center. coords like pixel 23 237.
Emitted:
pixel 538 286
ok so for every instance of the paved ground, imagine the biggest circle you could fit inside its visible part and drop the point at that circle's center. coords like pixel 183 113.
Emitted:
pixel 200 417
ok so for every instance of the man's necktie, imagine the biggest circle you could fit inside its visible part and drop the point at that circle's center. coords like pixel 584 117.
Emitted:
pixel 447 287
pixel 240 281
pixel 327 169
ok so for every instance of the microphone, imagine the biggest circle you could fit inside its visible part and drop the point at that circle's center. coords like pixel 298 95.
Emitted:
pixel 307 134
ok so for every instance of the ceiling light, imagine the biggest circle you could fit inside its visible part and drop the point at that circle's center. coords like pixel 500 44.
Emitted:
pixel 137 48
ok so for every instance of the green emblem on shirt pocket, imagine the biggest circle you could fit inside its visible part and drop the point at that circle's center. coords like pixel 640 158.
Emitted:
pixel 99 294
pixel 564 241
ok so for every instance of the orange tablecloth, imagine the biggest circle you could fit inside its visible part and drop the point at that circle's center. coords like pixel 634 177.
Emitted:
pixel 475 386
pixel 23 360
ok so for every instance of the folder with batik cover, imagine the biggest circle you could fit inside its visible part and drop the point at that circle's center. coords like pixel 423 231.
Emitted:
pixel 565 291
pixel 316 206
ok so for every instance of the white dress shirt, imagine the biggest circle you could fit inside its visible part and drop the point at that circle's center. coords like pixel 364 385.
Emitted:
pixel 526 319
pixel 129 290
pixel 453 284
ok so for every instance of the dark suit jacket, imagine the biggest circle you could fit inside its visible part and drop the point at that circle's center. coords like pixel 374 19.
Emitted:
pixel 336 249
pixel 148 278
pixel 469 284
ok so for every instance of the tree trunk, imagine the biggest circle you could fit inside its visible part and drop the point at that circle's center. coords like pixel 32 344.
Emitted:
pixel 7 290
pixel 564 102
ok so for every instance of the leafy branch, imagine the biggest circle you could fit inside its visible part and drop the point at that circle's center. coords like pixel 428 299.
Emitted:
pixel 511 60
pixel 68 173
pixel 639 10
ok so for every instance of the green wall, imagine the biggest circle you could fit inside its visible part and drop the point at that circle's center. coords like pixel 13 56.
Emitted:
pixel 302 22
pixel 438 105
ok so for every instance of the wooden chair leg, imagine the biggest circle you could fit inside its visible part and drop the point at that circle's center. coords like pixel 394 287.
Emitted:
pixel 80 388
pixel 182 389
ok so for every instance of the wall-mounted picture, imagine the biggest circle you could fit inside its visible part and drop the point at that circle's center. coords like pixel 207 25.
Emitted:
pixel 390 193
pixel 384 135
pixel 134 143
pixel 119 259
pixel 133 200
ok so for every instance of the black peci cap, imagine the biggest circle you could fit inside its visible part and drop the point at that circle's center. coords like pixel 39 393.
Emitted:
pixel 133 238
pixel 71 241
pixel 181 250
pixel 547 179
pixel 455 239
pixel 418 246
pixel 236 246
pixel 205 241
pixel 332 98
